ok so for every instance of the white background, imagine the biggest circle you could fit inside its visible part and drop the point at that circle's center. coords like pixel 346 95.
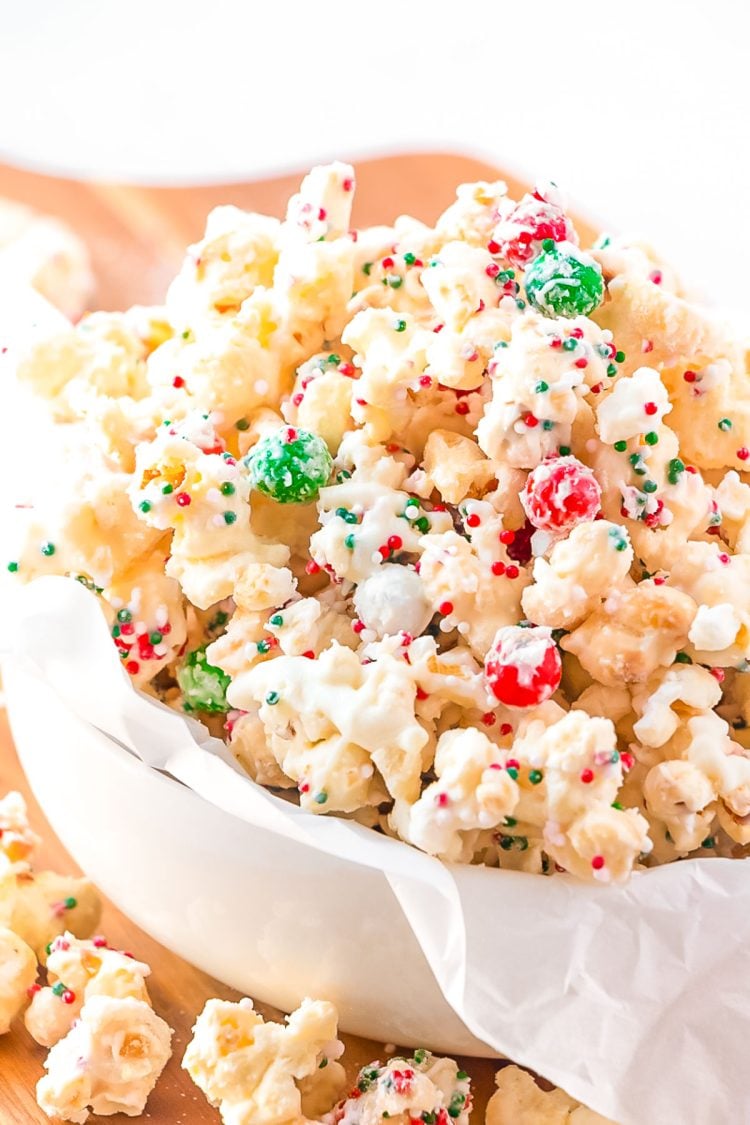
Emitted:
pixel 639 109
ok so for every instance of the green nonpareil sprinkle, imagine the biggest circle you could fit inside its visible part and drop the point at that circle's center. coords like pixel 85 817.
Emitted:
pixel 347 516
pixel 535 776
pixel 167 489
pixel 59 988
pixel 510 822
pixel 611 370
pixel 145 506
pixel 48 549
pixel 621 446
pixel 651 438
pixel 548 424
pixel 399 325
pixel 13 567
pixel 725 424
pixel 263 647
pixel 272 698
pixel 709 842
pixel 513 772
pixel 570 344
pixel 506 843
pixel 461 1075
pixel 410 258
pixel 323 1064
pixel 395 281
pixel 230 517
pixel 70 903
pixel 155 638
pixel 227 488
pixel 115 630
pixel 366 268
pixel 124 615
pixel 419 1056
pixel 334 359
pixel 277 620
pixel 541 387
pixel 242 424
pixel 683 658
pixel 349 542
pixel 619 357
pixel 321 798
pixel 617 805
pixel 564 450
pixel 422 524
pixel 650 486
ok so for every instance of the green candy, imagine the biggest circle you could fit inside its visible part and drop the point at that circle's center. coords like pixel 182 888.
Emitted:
pixel 564 283
pixel 204 687
pixel 291 466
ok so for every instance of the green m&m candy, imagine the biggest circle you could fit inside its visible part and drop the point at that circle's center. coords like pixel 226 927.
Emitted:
pixel 563 281
pixel 204 687
pixel 291 466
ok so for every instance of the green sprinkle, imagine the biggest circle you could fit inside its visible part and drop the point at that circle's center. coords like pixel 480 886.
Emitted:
pixel 323 1064
pixel 651 438
pixel 621 446
pixel 410 258
pixel 541 387
pixel 461 1076
pixel 683 658
pixel 186 334
pixel 650 486
pixel 564 450
pixel 535 776
pixel 272 698
pixel 124 615
pixel 615 757
pixel 70 903
pixel 321 798
pixel 399 325
pixel 59 988
pixel 570 344
pixel 395 281
pixel 167 489
pixel 115 630
pixel 155 638
pixel 48 948
pixel 725 424
pixel 422 524
pixel 506 843
pixel 611 370
pixel 709 842
pixel 145 506
pixel 48 549
pixel 349 542
pixel 277 620
pixel 334 359
pixel 263 647
pixel 419 1056
pixel 523 842
pixel 366 268
pixel 548 424
pixel 227 488
pixel 510 822
pixel 347 516
pixel 513 772
pixel 617 805
pixel 13 567
pixel 519 305
pixel 619 357
pixel 230 517
pixel 242 424
pixel 619 542
pixel 342 475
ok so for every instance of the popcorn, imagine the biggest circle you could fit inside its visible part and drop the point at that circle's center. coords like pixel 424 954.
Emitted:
pixel 109 1062
pixel 407 1090
pixel 519 1101
pixel 398 506
pixel 17 976
pixel 17 841
pixel 41 906
pixel 42 252
pixel 76 971
pixel 252 1070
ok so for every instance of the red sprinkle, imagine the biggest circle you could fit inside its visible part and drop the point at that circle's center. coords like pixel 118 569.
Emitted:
pixel 358 626
pixel 387 263
pixel 493 247
pixel 421 693
pixel 183 499
pixel 32 991
pixel 647 346
pixel 582 362
pixel 531 420
pixel 310 655
pixel 690 376
pixel 441 800
pixel 446 608
pixel 489 718
pixel 462 408
pixel 718 674
pixel 506 729
pixel 68 996
pixel 650 407
pixel 498 568
pixel 512 571
pixel 655 276
pixel 743 453
pixel 473 520
pixel 597 862
pixel 310 568
pixel 133 667
pixel 297 399
pixel 425 381
pixel 587 776
pixel 178 381
pixel 507 537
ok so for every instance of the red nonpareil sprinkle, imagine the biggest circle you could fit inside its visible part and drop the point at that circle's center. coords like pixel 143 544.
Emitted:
pixel 425 381
pixel 361 401
pixel 127 628
pixel 512 571
pixel 297 399
pixel 304 787
pixel 438 328
pixel 582 362
pixel 473 520
pixel 577 333
pixel 690 469
pixel 133 667
pixel 489 718
pixel 690 376
pixel 291 434
pixel 493 247
pixel 358 626
pixel 310 568
pixel 498 568
pixel 392 447
pixel 322 213
pixel 184 499
pixel 384 550
pixel 446 608
pixel 724 559
pixel 165 629
pixel 656 277
pixel 422 694
pixel 743 453
pixel 462 408
pixel 347 183
pixel 406 639
pixel 531 420
pixel 650 407
pixel 387 263
pixel 513 764
pixel 659 581
pixel 506 729
pixel 347 369
pixel 627 759
pixel 506 537
pixel 441 800
pixel 68 996
pixel 555 342
pixel 596 389
pixel 178 381
pixel 32 991
pixel 309 654
pixel 597 862
pixel 100 942
pixel 395 542
pixel 492 270
pixel 647 346
pixel 718 674
pixel 587 776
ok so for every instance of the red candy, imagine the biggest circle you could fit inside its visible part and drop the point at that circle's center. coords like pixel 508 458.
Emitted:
pixel 561 493
pixel 523 667
pixel 519 236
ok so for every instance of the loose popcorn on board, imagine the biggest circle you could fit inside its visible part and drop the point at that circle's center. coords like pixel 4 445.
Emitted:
pixel 448 526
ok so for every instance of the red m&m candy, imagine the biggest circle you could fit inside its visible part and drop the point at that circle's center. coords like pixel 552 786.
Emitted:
pixel 523 666
pixel 560 493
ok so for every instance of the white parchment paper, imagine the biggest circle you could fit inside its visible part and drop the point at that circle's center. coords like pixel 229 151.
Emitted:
pixel 633 999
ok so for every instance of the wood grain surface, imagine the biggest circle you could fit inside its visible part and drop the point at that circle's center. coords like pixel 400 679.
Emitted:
pixel 136 237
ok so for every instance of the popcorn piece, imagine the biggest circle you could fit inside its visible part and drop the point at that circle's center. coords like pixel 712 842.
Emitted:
pixel 109 1062
pixel 43 252
pixel 664 701
pixel 42 906
pixel 683 798
pixel 473 791
pixel 17 841
pixel 455 465
pixel 519 1101
pixel 622 414
pixel 635 632
pixel 17 976
pixel 76 971
pixel 405 1090
pixel 251 1070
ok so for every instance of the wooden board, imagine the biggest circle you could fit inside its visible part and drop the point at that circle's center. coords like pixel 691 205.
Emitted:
pixel 136 237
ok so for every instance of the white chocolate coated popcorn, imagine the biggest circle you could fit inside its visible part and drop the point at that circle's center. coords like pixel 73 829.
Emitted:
pixel 495 467
pixel 17 841
pixel 109 1062
pixel 420 1088
pixel 17 976
pixel 518 1100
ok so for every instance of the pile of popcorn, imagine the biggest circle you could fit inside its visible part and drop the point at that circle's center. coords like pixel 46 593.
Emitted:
pixel 108 1048
pixel 446 529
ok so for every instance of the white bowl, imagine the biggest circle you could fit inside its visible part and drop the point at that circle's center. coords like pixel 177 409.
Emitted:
pixel 273 918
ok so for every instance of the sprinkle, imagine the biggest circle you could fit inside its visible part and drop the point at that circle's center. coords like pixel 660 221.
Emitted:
pixel 619 357
pixel 513 772
pixel 312 567
pixel 650 408
pixel 462 407
pixel 621 446
pixel 473 520
pixel 184 499
pixel 489 718
pixel 277 620
pixel 272 698
pixel 399 325
pixel 651 438
pixel 587 776
pixel 498 568
pixel 743 453
pixel 230 517
pixel 167 489
pixel 597 862
pixel 535 776
pixel 512 571
pixel 445 608
pixel 321 798
pixel 228 488
pixel 47 549
pixel 507 537
pixel 570 344
pixel 611 370
pixel 348 543
pixel 650 486
pixel 690 376
pixel 531 421
pixel 725 424
pixel 655 276
pixel 242 424
pixel 70 903
pixel 564 451
pixel 13 567
pixel 541 387
pixel 124 615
